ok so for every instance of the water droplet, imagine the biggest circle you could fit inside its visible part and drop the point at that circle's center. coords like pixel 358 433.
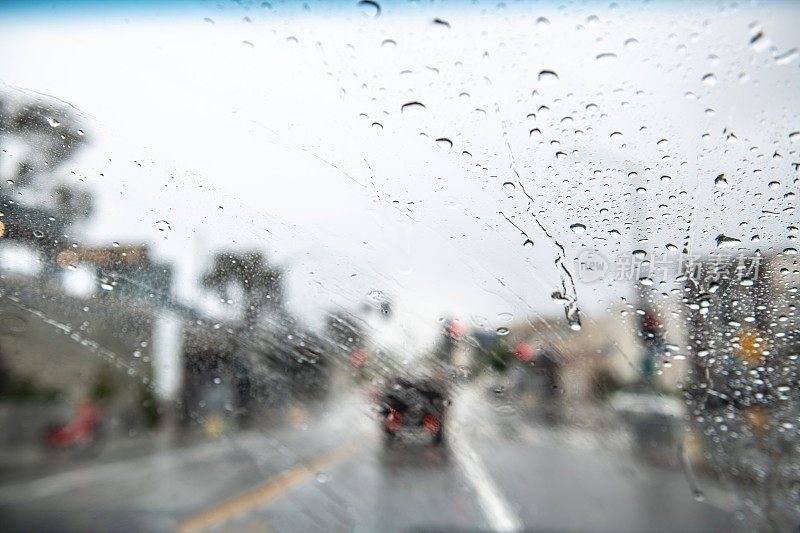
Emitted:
pixel 322 477
pixel 774 184
pixel 723 241
pixel 248 44
pixel 444 143
pixel 559 296
pixel 542 22
pixel 389 43
pixel 370 8
pixel 509 185
pixel 412 108
pixel 502 331
pixel 528 243
pixel 535 132
pixel 548 77
pixel 709 80
pixel 106 287
pixel 787 57
pixel 759 42
pixel 53 122
pixel 698 495
pixel 605 58
pixel 442 23
pixel 631 43
pixel 578 228
pixel 720 181
pixel 790 251
pixel 163 225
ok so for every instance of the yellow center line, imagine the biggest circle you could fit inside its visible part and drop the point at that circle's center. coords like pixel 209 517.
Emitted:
pixel 276 487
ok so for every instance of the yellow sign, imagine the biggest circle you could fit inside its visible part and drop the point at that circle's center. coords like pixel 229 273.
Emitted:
pixel 752 347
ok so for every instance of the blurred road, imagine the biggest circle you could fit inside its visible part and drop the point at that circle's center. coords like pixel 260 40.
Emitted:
pixel 498 472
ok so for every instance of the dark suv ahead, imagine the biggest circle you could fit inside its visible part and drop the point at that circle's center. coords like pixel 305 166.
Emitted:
pixel 408 405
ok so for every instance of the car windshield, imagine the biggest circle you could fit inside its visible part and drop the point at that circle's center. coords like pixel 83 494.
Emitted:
pixel 399 266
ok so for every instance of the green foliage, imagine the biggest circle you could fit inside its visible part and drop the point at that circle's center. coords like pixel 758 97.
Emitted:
pixel 261 283
pixel 25 390
pixel 495 357
pixel 15 388
pixel 149 404
pixel 104 386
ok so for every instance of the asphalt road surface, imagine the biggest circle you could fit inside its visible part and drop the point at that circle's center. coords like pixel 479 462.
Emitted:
pixel 334 472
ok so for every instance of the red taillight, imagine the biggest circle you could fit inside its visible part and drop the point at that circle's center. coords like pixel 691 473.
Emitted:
pixel 523 352
pixel 432 423
pixel 358 358
pixel 394 420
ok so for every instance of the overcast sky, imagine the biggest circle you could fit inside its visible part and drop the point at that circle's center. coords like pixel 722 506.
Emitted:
pixel 283 129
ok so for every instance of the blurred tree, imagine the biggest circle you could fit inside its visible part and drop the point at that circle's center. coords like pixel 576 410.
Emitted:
pixel 148 403
pixel 262 285
pixel 38 136
pixel 15 388
pixel 495 357
pixel 46 134
pixel 51 125
pixel 105 385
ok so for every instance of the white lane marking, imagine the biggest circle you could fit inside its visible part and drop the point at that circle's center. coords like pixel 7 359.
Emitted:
pixel 498 514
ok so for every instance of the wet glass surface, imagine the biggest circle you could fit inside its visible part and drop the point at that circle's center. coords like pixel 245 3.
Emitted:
pixel 399 266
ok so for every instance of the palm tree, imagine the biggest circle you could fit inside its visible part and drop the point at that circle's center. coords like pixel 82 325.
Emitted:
pixel 261 284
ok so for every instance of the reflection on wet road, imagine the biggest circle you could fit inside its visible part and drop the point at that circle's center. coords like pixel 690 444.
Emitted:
pixel 498 472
